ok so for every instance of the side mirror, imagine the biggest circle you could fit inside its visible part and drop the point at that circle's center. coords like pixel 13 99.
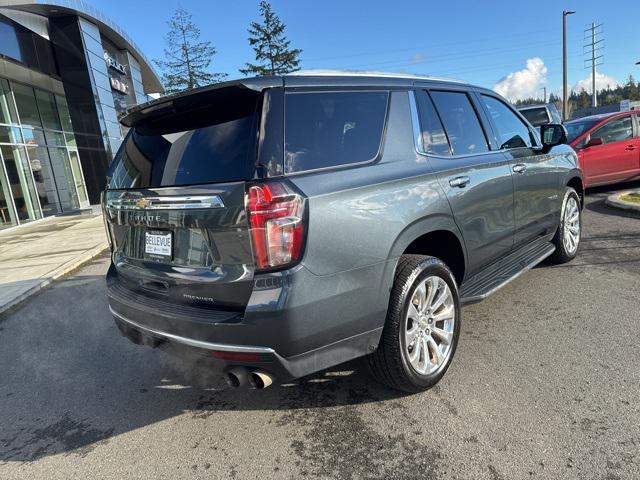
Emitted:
pixel 593 142
pixel 553 134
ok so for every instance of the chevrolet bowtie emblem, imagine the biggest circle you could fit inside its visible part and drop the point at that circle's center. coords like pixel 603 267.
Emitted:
pixel 142 203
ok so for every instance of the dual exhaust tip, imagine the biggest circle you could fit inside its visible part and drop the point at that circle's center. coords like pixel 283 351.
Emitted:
pixel 240 377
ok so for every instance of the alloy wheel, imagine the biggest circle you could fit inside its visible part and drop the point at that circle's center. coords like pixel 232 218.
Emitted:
pixel 429 325
pixel 571 234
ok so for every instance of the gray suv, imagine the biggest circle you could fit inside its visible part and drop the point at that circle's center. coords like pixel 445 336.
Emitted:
pixel 278 226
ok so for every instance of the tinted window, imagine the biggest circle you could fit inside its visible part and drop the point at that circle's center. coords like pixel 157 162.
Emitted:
pixel 332 128
pixel 536 116
pixel 26 102
pixel 48 111
pixel 512 132
pixel 461 122
pixel 7 110
pixel 434 140
pixel 577 128
pixel 216 153
pixel 615 130
pixel 9 44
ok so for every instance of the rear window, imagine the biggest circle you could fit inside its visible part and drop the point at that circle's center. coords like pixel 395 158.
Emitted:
pixel 223 151
pixel 536 116
pixel 328 129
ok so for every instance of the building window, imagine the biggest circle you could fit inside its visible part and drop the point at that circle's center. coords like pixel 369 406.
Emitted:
pixel 40 171
pixel 7 107
pixel 26 102
pixel 20 182
pixel 48 110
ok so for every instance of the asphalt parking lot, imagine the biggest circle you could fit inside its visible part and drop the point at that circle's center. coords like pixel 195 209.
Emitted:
pixel 545 384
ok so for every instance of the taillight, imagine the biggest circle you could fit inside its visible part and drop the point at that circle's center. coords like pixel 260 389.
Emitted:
pixel 276 219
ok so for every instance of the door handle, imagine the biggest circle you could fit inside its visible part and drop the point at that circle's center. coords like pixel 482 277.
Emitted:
pixel 459 182
pixel 630 147
pixel 520 168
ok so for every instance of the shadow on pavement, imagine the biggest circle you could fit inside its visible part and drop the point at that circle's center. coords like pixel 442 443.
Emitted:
pixel 69 381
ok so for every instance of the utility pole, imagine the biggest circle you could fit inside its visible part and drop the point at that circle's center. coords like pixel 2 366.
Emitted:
pixel 593 48
pixel 544 89
pixel 565 93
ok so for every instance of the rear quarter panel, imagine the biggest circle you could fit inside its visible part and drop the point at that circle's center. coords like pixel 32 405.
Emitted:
pixel 362 218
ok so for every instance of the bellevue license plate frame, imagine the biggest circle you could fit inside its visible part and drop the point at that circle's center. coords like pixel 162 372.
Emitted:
pixel 158 249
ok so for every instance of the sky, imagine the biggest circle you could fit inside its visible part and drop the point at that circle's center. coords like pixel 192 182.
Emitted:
pixel 512 46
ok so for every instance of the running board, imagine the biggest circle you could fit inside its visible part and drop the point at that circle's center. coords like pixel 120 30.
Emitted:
pixel 497 276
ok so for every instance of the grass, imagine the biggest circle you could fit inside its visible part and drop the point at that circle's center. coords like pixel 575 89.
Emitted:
pixel 631 197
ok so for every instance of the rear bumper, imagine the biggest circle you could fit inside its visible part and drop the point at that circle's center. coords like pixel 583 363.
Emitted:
pixel 295 323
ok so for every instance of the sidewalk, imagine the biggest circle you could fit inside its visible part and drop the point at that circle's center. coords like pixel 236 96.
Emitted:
pixel 34 255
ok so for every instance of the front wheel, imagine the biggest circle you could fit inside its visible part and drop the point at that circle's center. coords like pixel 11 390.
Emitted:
pixel 422 326
pixel 567 238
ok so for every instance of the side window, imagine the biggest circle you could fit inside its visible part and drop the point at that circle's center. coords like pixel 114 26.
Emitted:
pixel 460 122
pixel 328 129
pixel 511 131
pixel 615 130
pixel 434 140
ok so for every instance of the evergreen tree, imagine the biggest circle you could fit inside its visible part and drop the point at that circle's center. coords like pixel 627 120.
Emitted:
pixel 273 54
pixel 187 59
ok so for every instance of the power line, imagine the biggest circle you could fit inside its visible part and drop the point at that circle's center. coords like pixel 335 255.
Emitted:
pixel 421 47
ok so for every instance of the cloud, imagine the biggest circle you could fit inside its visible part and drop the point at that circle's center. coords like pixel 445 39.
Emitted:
pixel 602 81
pixel 524 83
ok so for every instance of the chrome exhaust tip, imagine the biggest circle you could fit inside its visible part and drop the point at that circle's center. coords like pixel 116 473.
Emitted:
pixel 237 377
pixel 261 379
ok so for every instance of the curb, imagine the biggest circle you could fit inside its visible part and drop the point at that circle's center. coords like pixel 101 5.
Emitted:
pixel 54 275
pixel 614 201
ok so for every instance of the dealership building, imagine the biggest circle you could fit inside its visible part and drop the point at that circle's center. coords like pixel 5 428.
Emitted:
pixel 66 72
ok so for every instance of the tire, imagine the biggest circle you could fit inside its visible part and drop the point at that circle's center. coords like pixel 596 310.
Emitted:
pixel 565 249
pixel 391 363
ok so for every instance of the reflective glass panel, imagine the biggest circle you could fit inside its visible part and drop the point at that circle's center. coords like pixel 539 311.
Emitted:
pixel 21 183
pixel 26 102
pixel 43 176
pixel 7 108
pixel 10 135
pixel 63 111
pixel 78 177
pixel 48 110
pixel 54 138
pixel 33 136
pixel 63 175
pixel 7 217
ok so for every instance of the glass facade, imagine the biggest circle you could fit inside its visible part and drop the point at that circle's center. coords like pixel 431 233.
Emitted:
pixel 40 170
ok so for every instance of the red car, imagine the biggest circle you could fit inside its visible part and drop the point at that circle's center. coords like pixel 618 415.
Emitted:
pixel 608 147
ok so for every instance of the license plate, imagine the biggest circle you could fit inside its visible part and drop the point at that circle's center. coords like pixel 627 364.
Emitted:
pixel 158 244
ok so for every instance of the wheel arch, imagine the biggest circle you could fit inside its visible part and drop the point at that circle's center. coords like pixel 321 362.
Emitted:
pixel 577 184
pixel 434 236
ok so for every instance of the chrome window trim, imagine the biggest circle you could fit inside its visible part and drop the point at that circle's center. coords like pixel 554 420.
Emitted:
pixel 166 203
pixel 223 347
pixel 415 122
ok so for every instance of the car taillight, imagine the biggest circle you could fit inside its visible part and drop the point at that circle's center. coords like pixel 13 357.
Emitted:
pixel 276 219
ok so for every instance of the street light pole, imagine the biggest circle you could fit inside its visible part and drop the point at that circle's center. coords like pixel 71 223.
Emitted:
pixel 565 93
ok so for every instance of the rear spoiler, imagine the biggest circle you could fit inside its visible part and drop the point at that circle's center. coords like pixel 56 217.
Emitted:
pixel 161 113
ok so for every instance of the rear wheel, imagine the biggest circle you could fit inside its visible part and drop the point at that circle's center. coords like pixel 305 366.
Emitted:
pixel 422 326
pixel 567 238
